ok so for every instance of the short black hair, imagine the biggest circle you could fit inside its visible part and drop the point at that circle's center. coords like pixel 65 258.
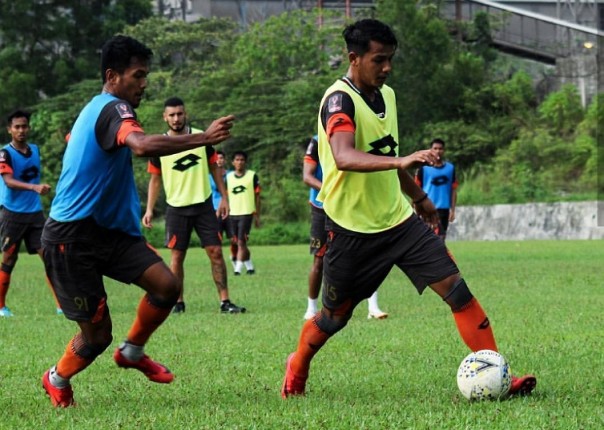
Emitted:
pixel 18 113
pixel 173 102
pixel 242 153
pixel 221 152
pixel 117 54
pixel 359 34
pixel 437 140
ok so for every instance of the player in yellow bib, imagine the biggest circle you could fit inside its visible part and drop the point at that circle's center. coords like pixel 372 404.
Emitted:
pixel 371 224
pixel 244 197
pixel 186 182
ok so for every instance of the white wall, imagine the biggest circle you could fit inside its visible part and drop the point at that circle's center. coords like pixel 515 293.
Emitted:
pixel 577 220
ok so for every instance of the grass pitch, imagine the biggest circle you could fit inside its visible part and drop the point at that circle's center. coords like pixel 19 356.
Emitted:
pixel 544 299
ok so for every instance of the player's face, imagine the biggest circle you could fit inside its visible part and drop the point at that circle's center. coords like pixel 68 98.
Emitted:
pixel 373 67
pixel 439 149
pixel 131 84
pixel 19 129
pixel 239 163
pixel 220 160
pixel 175 117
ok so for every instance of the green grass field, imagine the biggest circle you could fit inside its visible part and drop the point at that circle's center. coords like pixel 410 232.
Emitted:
pixel 544 299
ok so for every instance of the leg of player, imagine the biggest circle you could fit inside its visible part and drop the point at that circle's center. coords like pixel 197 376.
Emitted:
pixel 9 259
pixel 81 351
pixel 163 290
pixel 315 277
pixel 219 274
pixel 177 261
pixel 374 309
pixel 315 333
pixel 473 324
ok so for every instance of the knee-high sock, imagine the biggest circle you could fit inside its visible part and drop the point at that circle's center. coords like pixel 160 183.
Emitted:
pixel 148 318
pixel 311 340
pixel 71 362
pixel 4 284
pixel 474 327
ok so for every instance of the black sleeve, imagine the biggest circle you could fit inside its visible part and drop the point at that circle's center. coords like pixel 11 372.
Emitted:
pixel 337 102
pixel 109 122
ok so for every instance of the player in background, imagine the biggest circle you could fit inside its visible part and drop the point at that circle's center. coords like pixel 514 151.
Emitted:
pixel 223 222
pixel 312 176
pixel 244 198
pixel 371 225
pixel 439 182
pixel 93 229
pixel 21 216
pixel 185 177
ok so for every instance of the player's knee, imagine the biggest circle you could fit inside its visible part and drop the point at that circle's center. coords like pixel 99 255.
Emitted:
pixel 459 295
pixel 331 325
pixel 168 299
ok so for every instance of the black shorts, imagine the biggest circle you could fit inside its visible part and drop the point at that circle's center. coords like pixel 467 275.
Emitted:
pixel 240 225
pixel 356 264
pixel 76 270
pixel 180 224
pixel 443 218
pixel 17 227
pixel 318 234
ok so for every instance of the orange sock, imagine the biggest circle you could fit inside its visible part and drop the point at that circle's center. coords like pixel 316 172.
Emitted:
pixel 474 327
pixel 71 363
pixel 148 318
pixel 4 284
pixel 312 338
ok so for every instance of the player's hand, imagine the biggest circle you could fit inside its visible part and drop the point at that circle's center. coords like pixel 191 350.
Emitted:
pixel 42 189
pixel 257 221
pixel 451 215
pixel 418 158
pixel 223 209
pixel 147 220
pixel 219 130
pixel 427 211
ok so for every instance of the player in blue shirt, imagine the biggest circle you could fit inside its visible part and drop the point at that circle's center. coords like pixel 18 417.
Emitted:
pixel 21 217
pixel 439 182
pixel 93 229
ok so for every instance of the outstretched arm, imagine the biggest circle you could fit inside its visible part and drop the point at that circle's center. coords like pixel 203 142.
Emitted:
pixel 144 145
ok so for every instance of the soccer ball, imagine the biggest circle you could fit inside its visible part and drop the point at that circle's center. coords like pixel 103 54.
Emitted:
pixel 484 375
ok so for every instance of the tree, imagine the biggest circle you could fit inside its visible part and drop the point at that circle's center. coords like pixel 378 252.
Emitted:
pixel 55 43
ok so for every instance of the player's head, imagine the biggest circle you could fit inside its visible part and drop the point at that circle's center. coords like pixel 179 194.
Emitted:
pixel 438 145
pixel 371 45
pixel 124 68
pixel 359 35
pixel 17 125
pixel 239 159
pixel 175 114
pixel 220 158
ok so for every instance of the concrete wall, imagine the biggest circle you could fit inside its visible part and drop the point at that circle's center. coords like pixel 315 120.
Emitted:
pixel 577 220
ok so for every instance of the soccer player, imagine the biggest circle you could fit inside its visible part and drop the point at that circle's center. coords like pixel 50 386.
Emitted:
pixel 312 176
pixel 185 178
pixel 93 229
pixel 244 198
pixel 21 216
pixel 371 225
pixel 439 182
pixel 223 222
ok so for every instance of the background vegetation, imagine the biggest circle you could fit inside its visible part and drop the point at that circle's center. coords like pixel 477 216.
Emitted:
pixel 509 142
pixel 544 303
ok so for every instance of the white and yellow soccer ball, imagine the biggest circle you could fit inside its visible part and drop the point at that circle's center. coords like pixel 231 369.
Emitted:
pixel 484 375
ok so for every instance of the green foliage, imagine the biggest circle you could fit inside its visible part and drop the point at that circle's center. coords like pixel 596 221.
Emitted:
pixel 54 43
pixel 561 111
